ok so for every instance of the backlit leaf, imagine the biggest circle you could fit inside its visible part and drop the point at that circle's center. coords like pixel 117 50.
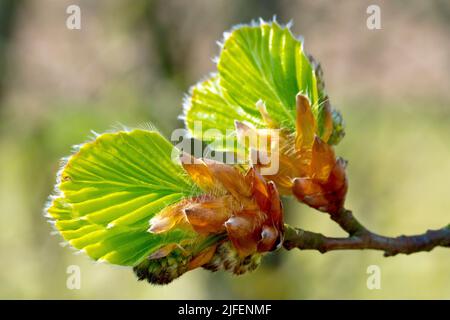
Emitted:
pixel 258 62
pixel 110 188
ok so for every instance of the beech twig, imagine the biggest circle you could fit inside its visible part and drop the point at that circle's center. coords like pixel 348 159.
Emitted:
pixel 361 238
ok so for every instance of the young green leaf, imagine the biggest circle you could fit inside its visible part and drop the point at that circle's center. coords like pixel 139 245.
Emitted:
pixel 110 188
pixel 257 62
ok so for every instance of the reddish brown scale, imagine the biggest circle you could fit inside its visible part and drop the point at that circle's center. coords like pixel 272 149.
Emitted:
pixel 243 206
pixel 308 167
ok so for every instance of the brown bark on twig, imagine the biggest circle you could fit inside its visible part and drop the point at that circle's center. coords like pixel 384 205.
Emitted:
pixel 360 238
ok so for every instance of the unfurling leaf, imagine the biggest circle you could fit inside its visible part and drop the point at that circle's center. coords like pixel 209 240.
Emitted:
pixel 122 199
pixel 266 81
pixel 259 62
pixel 109 189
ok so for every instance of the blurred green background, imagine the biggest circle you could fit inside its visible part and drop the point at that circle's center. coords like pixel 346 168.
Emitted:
pixel 132 62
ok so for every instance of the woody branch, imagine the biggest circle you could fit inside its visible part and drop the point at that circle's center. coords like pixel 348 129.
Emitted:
pixel 360 238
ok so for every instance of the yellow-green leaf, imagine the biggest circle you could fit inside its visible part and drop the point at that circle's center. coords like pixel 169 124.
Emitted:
pixel 262 61
pixel 109 189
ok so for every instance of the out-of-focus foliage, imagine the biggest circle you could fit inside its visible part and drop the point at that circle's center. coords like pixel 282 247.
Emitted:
pixel 60 84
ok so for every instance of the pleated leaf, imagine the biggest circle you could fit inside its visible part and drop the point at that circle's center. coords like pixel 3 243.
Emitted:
pixel 111 187
pixel 257 62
